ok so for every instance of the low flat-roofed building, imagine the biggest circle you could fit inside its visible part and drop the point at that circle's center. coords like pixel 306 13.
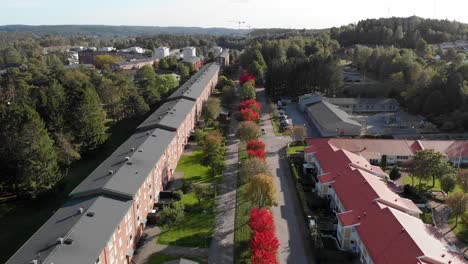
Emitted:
pixel 365 105
pixel 332 121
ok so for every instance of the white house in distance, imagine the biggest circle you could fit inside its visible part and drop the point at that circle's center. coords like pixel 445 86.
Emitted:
pixel 106 49
pixel 161 52
pixel 189 52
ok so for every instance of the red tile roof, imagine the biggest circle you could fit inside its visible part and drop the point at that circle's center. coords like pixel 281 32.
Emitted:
pixel 391 236
pixel 373 148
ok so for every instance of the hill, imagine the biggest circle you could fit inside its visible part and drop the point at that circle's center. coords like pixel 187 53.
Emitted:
pixel 101 30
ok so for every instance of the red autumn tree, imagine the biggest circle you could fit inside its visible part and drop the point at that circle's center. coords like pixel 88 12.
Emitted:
pixel 259 153
pixel 250 103
pixel 246 77
pixel 261 220
pixel 263 247
pixel 255 144
pixel 250 115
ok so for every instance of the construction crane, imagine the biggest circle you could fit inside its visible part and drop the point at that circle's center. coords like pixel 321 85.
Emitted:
pixel 238 22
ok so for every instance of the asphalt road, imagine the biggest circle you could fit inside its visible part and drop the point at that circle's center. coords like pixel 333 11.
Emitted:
pixel 290 225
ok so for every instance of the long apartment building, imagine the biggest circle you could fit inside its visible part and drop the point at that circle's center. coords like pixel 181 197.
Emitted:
pixel 106 213
pixel 373 220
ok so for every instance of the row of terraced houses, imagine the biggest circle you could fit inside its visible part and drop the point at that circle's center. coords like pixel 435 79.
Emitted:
pixel 106 214
pixel 373 220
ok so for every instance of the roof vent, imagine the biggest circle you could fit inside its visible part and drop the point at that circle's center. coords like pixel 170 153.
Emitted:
pixel 127 158
pixel 140 150
pixel 90 214
pixel 153 135
pixel 365 213
pixel 68 241
pixel 34 261
pixel 111 172
pixel 396 199
pixel 132 149
pixel 402 230
pixel 60 240
pixel 358 217
pixel 147 133
pixel 443 255
pixel 80 210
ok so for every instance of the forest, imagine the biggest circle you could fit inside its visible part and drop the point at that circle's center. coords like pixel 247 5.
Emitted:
pixel 399 31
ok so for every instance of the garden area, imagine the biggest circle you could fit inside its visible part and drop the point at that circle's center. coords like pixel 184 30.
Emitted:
pixel 189 220
pixel 196 229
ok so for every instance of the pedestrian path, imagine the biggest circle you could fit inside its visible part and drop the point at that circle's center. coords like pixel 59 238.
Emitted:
pixel 222 244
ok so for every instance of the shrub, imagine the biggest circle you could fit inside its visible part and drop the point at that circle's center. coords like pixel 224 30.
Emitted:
pixel 177 195
pixel 200 136
pixel 187 186
pixel 172 214
pixel 263 248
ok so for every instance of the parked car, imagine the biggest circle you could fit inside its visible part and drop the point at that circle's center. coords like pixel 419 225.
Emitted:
pixel 263 131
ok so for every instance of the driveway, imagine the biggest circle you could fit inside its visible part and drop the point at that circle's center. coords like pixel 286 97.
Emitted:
pixel 299 118
pixel 290 225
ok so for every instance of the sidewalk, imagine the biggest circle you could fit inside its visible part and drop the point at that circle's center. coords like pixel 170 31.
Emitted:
pixel 222 244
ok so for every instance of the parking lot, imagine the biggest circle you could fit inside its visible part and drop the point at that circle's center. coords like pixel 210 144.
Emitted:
pixel 296 117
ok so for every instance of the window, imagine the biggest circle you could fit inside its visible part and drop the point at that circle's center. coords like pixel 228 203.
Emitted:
pixel 329 186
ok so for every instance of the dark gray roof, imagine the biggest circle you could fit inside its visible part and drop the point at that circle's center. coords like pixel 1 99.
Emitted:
pixel 326 113
pixel 130 62
pixel 89 234
pixel 366 101
pixel 193 88
pixel 118 176
pixel 169 116
pixel 192 59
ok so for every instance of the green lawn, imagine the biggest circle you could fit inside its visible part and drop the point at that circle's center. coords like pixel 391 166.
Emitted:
pixel 294 149
pixel 242 233
pixel 427 218
pixel 461 231
pixel 160 259
pixel 428 184
pixel 197 228
pixel 20 219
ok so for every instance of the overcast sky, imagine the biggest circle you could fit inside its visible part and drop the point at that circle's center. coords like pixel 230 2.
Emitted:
pixel 221 13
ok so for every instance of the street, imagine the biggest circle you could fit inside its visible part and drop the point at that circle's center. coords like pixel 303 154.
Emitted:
pixel 290 225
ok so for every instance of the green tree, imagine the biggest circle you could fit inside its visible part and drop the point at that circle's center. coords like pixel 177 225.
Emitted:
pixel 228 94
pixel 145 80
pixel 200 136
pixel 383 162
pixel 395 173
pixel 261 191
pixel 87 119
pixel 213 148
pixel 211 108
pixel 256 69
pixel 458 203
pixel 183 69
pixel 203 192
pixel 29 161
pixel 430 163
pixel 165 83
pixel 247 91
pixel 447 183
